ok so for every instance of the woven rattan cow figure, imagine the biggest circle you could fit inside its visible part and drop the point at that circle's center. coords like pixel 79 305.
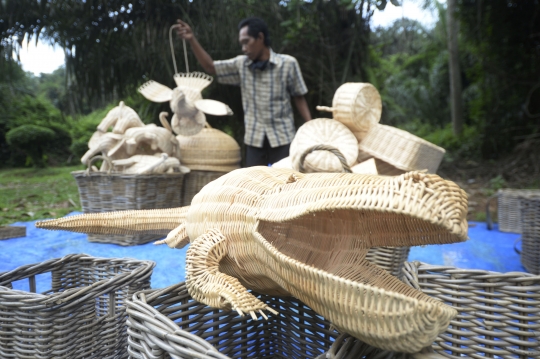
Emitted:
pixel 280 232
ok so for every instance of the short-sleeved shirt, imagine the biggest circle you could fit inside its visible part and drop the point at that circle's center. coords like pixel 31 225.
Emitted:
pixel 266 96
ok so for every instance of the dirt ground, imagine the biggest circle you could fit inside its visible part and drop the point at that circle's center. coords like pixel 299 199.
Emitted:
pixel 521 169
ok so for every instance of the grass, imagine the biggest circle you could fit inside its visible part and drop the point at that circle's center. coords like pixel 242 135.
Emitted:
pixel 28 194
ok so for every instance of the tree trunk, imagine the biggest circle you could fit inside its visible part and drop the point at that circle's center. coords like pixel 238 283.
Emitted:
pixel 453 61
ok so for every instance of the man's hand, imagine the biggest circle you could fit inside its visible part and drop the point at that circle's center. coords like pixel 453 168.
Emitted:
pixel 184 30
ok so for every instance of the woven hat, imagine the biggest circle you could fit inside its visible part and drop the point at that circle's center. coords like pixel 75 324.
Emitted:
pixel 357 105
pixel 323 131
pixel 210 150
pixel 401 149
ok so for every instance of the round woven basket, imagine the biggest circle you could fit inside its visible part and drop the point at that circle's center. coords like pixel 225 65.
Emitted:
pixel 358 106
pixel 401 149
pixel 323 131
pixel 530 229
pixel 210 150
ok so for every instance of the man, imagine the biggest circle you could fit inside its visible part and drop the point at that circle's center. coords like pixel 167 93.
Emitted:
pixel 268 81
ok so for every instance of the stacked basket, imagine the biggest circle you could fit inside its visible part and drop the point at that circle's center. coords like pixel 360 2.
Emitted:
pixel 358 106
pixel 209 155
pixel 530 229
pixel 509 208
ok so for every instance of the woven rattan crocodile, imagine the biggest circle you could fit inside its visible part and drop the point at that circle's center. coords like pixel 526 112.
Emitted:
pixel 281 232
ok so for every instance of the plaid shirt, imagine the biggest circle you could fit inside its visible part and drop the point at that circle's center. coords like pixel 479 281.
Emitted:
pixel 266 96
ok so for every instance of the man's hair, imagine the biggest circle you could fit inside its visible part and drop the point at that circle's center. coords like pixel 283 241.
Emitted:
pixel 255 26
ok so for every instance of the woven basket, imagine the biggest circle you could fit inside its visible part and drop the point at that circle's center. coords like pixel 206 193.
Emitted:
pixel 83 315
pixel 210 150
pixel 194 182
pixel 110 191
pixel 530 225
pixel 401 149
pixel 168 322
pixel 389 258
pixel 508 208
pixel 499 313
pixel 328 132
pixel 357 105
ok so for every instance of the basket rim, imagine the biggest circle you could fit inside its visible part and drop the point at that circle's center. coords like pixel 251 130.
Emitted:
pixel 85 173
pixel 74 296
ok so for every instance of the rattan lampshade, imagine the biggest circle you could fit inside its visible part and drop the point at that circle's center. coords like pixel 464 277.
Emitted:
pixel 401 149
pixel 210 150
pixel 323 131
pixel 357 105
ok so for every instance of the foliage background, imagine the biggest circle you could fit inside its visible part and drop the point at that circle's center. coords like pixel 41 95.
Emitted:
pixel 113 46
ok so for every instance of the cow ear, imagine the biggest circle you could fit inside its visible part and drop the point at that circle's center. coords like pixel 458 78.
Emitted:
pixel 156 92
pixel 212 107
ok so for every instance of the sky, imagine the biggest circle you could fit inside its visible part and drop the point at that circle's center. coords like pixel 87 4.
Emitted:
pixel 45 58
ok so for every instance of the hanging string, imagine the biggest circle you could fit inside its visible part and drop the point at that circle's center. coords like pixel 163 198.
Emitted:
pixel 172 50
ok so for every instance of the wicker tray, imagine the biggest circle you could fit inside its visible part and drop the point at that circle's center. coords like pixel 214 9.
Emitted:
pixel 194 182
pixel 508 208
pixel 499 313
pixel 401 149
pixel 169 321
pixel 110 191
pixel 83 315
pixel 7 232
pixel 530 225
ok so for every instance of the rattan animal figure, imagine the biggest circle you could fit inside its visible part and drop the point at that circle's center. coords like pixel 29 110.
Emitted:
pixel 281 232
pixel 159 139
pixel 186 101
pixel 145 164
pixel 121 117
pixel 102 143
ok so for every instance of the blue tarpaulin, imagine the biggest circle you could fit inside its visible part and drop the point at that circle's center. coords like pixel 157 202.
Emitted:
pixel 489 250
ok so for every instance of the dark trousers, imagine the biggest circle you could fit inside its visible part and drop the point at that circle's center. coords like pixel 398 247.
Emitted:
pixel 265 155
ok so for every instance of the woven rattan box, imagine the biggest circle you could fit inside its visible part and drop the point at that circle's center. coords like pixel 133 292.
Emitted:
pixel 82 315
pixel 530 229
pixel 112 191
pixel 509 208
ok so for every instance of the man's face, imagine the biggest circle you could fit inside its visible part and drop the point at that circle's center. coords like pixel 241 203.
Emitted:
pixel 252 47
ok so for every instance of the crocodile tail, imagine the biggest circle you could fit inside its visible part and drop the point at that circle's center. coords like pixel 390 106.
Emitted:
pixel 150 221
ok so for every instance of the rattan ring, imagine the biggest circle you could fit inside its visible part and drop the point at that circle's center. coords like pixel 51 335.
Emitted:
pixel 329 148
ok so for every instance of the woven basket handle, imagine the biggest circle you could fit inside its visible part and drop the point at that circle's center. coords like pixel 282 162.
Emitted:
pixel 172 50
pixel 96 158
pixel 332 149
pixel 488 214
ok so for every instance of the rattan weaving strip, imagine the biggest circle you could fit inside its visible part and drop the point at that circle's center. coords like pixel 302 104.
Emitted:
pixel 83 314
pixel 530 239
pixel 499 313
